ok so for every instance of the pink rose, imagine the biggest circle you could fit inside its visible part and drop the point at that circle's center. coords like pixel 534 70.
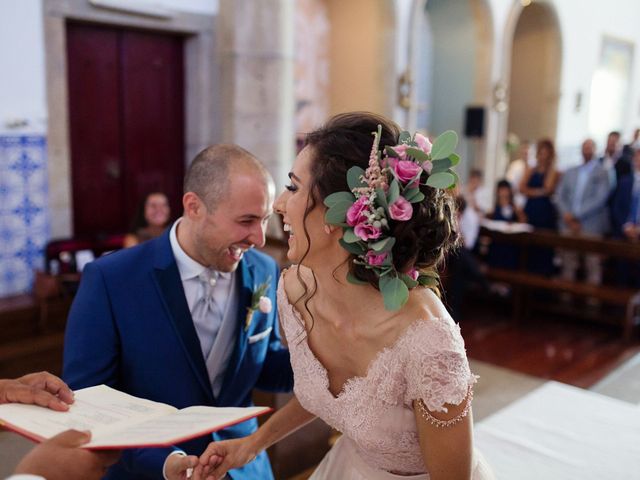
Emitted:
pixel 401 209
pixel 376 259
pixel 405 170
pixel 413 273
pixel 356 212
pixel 401 150
pixel 423 143
pixel 367 232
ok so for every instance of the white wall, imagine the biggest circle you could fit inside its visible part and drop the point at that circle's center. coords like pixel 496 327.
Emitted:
pixel 582 26
pixel 22 83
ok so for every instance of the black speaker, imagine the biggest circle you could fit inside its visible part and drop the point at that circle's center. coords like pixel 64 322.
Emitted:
pixel 474 122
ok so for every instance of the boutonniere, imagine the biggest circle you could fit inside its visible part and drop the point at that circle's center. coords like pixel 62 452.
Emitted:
pixel 259 301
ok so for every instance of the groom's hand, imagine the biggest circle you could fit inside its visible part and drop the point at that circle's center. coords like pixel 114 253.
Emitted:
pixel 179 467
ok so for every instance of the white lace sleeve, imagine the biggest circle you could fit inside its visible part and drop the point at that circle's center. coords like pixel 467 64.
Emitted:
pixel 438 371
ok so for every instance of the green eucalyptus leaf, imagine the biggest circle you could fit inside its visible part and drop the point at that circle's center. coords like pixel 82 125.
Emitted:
pixel 353 248
pixel 337 197
pixel 405 137
pixel 428 281
pixel 441 180
pixel 441 165
pixel 394 191
pixel 418 154
pixel 394 292
pixel 444 145
pixel 350 236
pixel 351 278
pixel 384 245
pixel 408 281
pixel 353 178
pixel 390 152
pixel 417 198
pixel 455 159
pixel 456 179
pixel 381 197
pixel 337 213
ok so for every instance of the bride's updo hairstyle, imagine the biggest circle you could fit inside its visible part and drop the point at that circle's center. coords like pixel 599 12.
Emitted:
pixel 345 141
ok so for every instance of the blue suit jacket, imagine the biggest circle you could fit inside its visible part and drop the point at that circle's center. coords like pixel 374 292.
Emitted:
pixel 130 328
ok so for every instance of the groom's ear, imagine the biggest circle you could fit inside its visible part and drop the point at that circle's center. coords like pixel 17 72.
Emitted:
pixel 193 206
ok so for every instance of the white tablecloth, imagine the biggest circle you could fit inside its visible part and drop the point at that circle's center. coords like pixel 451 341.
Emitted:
pixel 560 432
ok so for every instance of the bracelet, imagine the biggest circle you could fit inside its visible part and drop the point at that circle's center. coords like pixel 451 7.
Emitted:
pixel 446 423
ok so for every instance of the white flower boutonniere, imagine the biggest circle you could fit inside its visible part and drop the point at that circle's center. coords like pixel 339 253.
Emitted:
pixel 259 301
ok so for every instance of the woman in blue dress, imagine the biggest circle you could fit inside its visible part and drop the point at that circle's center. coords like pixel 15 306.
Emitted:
pixel 538 186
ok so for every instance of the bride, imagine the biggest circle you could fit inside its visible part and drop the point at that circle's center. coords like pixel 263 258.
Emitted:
pixel 374 352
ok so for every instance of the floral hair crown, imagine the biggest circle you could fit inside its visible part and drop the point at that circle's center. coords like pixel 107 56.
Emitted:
pixel 384 193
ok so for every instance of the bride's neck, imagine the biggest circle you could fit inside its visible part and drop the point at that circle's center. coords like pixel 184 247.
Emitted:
pixel 335 294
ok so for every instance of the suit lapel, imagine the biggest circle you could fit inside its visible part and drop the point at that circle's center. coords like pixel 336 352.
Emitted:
pixel 167 279
pixel 246 279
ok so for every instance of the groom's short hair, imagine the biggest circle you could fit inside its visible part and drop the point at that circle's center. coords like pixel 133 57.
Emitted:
pixel 208 174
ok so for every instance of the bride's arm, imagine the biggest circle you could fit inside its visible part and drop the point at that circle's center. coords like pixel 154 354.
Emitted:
pixel 446 440
pixel 220 457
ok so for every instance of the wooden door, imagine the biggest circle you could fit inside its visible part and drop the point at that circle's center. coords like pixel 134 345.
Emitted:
pixel 126 122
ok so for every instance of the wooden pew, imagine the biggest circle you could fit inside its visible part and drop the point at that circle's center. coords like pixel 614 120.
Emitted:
pixel 524 281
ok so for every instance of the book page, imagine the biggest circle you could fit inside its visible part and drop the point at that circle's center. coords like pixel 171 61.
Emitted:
pixel 176 427
pixel 99 409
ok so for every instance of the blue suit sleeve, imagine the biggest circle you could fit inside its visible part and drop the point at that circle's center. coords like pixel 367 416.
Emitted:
pixel 276 374
pixel 92 353
pixel 91 344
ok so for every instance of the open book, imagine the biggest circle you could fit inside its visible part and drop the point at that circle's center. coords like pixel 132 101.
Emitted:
pixel 118 420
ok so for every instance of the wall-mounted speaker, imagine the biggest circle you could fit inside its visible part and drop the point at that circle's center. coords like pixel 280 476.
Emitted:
pixel 474 122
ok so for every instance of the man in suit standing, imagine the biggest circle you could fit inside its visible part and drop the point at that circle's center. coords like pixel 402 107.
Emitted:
pixel 172 319
pixel 582 199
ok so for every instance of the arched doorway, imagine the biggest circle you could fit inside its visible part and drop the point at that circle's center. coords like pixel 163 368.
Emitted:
pixel 534 83
pixel 451 58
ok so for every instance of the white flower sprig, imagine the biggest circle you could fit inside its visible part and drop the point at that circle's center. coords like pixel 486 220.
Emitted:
pixel 259 301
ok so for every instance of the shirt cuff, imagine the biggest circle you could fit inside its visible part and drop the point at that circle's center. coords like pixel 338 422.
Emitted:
pixel 26 476
pixel 164 466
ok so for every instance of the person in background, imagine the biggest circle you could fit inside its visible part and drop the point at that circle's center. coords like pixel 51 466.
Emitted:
pixel 629 201
pixel 151 219
pixel 475 193
pixel 582 200
pixel 614 159
pixel 516 170
pixel 503 255
pixel 58 458
pixel 506 209
pixel 538 186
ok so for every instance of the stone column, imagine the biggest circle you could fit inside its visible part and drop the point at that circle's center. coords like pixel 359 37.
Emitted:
pixel 255 51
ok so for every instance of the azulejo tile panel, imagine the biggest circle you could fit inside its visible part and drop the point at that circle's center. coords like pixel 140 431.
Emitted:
pixel 24 213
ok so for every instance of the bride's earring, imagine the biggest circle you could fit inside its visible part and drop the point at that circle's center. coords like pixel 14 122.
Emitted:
pixel 327 229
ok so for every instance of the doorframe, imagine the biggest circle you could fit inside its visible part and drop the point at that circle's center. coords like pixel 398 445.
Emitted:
pixel 202 125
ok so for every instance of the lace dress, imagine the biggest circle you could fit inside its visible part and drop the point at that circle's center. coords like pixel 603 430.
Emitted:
pixel 375 412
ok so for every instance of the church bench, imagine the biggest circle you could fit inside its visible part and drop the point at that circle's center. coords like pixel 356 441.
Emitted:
pixel 524 281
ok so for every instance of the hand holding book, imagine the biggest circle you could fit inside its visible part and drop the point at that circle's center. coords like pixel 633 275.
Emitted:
pixel 118 420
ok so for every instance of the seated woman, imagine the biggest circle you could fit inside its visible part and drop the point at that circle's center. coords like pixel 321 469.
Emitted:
pixel 374 352
pixel 151 219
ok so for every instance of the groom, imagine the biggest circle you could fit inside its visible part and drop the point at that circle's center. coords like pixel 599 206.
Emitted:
pixel 172 319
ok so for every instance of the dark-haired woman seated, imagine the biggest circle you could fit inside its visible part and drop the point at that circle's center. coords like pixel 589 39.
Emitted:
pixel 374 352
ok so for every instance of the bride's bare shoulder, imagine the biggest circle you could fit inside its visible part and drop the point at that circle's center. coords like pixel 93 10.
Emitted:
pixel 294 279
